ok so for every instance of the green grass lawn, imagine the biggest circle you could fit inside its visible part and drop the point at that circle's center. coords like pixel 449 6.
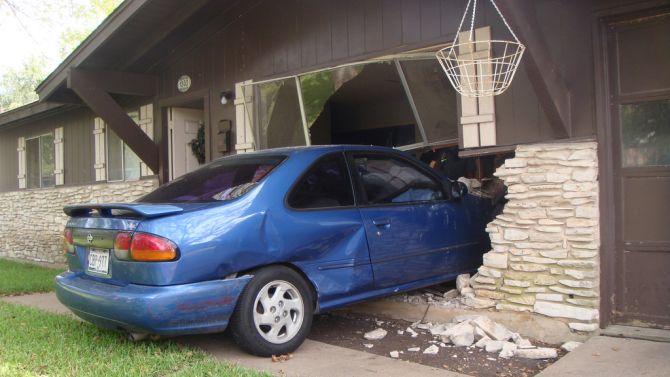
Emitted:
pixel 19 278
pixel 36 343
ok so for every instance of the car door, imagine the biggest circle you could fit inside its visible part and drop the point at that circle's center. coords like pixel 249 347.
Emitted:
pixel 414 232
pixel 322 228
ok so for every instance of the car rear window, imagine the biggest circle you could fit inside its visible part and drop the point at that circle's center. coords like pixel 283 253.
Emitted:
pixel 221 180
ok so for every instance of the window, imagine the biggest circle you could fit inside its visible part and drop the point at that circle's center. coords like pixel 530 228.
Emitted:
pixel 385 179
pixel 645 129
pixel 122 163
pixel 221 180
pixel 405 103
pixel 40 161
pixel 326 184
pixel 278 116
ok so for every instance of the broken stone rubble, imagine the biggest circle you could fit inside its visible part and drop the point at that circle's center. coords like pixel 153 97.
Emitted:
pixel 478 331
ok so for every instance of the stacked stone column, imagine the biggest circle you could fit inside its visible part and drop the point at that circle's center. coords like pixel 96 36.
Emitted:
pixel 545 244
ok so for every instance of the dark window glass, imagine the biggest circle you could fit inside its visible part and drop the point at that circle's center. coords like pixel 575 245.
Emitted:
pixel 220 180
pixel 326 184
pixel 33 163
pixel 47 156
pixel 390 180
pixel 645 129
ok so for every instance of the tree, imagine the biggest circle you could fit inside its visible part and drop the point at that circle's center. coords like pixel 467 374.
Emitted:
pixel 80 17
pixel 17 85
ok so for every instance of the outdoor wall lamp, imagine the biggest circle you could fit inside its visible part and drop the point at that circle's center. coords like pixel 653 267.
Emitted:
pixel 226 96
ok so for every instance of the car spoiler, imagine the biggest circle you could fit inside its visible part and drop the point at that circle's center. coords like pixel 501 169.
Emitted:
pixel 144 210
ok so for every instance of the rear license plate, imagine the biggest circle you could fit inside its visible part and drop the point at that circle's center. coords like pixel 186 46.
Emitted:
pixel 98 261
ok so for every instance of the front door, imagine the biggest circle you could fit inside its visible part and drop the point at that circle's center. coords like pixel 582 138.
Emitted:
pixel 183 125
pixel 413 232
pixel 639 81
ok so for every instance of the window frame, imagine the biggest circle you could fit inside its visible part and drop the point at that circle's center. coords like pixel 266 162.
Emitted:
pixel 39 154
pixel 302 175
pixel 360 190
pixel 123 153
pixel 396 60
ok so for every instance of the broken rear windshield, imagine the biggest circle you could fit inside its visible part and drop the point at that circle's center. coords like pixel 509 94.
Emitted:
pixel 221 180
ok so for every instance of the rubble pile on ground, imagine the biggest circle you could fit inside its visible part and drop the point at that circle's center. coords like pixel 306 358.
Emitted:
pixel 473 331
pixel 462 297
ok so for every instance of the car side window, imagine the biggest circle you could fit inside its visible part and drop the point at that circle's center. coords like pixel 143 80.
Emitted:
pixel 325 185
pixel 386 179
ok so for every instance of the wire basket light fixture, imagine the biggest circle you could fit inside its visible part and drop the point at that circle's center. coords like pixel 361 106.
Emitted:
pixel 481 68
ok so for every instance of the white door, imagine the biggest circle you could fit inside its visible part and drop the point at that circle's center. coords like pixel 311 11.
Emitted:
pixel 183 126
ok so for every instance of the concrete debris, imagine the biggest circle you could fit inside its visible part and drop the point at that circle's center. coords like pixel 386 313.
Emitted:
pixel 376 334
pixel 439 329
pixel 460 335
pixel 424 326
pixel 462 281
pixel 411 332
pixel 414 349
pixel 394 354
pixel 401 332
pixel 432 350
pixel 368 345
pixel 468 292
pixel 492 329
pixel 479 334
pixel 508 350
pixel 537 353
pixel 452 293
pixel 570 346
pixel 494 345
pixel 523 343
pixel 481 343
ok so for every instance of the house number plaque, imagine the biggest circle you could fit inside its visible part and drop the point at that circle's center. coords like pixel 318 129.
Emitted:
pixel 184 83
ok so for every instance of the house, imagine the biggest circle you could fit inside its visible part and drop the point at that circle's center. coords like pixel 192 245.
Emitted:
pixel 583 129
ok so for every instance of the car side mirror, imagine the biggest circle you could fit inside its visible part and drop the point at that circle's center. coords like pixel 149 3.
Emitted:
pixel 458 190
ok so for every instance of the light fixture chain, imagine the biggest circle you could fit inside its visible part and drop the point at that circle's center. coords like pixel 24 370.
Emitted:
pixel 504 20
pixel 472 21
pixel 462 20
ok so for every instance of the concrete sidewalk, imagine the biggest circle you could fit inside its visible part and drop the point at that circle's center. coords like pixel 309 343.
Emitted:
pixel 600 356
pixel 313 359
pixel 603 356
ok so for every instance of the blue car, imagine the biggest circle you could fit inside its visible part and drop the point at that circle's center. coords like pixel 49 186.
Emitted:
pixel 260 242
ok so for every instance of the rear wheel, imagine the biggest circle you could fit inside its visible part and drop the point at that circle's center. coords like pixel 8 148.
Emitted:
pixel 274 313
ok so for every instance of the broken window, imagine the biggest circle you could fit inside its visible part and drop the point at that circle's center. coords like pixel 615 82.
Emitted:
pixel 278 116
pixel 402 104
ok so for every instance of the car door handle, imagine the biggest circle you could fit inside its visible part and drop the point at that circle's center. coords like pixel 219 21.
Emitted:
pixel 381 222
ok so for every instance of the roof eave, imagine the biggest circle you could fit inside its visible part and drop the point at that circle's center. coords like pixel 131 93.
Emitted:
pixel 112 23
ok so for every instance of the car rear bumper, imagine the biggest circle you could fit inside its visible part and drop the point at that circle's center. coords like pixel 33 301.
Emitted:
pixel 166 310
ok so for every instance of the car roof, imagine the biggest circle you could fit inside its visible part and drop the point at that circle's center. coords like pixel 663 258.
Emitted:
pixel 321 148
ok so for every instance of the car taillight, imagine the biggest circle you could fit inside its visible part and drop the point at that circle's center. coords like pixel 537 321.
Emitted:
pixel 147 247
pixel 68 241
pixel 122 245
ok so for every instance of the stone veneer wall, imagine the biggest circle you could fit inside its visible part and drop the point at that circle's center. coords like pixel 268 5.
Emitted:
pixel 32 221
pixel 545 244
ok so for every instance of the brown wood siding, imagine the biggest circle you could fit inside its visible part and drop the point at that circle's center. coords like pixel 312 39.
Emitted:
pixel 275 39
pixel 77 152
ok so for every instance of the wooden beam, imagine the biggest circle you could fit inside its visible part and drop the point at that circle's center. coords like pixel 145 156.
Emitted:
pixel 104 105
pixel 545 77
pixel 132 84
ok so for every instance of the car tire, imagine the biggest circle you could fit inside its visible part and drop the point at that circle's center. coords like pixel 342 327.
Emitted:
pixel 265 323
